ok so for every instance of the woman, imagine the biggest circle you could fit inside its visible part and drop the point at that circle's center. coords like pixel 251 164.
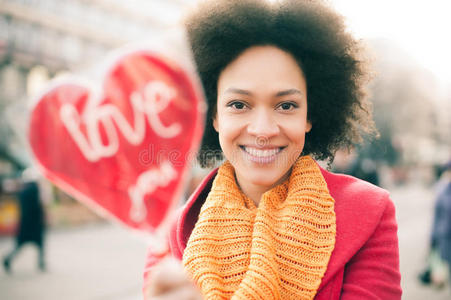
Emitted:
pixel 284 84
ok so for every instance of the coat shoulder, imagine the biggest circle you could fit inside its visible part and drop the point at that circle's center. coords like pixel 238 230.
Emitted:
pixel 352 194
pixel 361 208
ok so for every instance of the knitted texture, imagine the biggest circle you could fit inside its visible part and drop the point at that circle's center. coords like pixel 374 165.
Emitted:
pixel 278 250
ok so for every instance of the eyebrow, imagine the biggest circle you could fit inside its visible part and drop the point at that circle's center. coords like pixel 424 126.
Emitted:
pixel 288 92
pixel 237 91
pixel 248 93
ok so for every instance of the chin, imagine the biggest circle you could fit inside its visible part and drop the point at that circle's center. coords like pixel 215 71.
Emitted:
pixel 264 180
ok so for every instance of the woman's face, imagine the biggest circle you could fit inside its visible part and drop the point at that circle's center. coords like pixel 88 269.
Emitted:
pixel 262 115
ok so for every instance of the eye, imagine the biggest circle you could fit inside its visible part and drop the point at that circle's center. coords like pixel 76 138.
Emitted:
pixel 287 106
pixel 237 105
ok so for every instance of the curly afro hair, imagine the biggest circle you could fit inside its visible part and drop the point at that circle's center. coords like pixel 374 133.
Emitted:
pixel 220 30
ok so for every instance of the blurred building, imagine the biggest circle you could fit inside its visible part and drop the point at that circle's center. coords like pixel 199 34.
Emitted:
pixel 412 111
pixel 41 38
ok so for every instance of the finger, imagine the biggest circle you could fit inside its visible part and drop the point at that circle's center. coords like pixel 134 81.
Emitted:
pixel 168 275
pixel 187 292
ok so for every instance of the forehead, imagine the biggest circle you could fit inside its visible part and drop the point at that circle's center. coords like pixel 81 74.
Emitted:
pixel 261 68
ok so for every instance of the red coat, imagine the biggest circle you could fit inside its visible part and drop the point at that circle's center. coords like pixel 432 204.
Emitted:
pixel 365 261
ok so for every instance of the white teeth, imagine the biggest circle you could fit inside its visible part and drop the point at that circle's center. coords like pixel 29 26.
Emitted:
pixel 261 153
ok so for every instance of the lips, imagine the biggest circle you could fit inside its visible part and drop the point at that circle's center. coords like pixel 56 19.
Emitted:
pixel 259 155
pixel 262 152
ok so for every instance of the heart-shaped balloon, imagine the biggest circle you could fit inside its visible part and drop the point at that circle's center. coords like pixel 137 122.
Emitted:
pixel 127 148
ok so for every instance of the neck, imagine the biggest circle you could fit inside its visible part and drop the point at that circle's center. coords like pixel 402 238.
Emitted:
pixel 256 191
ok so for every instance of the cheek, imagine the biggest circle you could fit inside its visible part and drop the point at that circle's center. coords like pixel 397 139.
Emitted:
pixel 230 135
pixel 297 138
pixel 228 132
pixel 295 132
pixel 229 126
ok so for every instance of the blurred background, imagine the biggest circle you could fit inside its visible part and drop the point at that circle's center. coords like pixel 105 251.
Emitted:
pixel 90 258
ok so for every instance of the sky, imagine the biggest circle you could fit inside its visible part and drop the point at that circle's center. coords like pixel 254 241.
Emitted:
pixel 421 28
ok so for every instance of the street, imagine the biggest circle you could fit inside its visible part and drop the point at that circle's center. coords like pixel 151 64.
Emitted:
pixel 104 261
pixel 93 262
pixel 414 211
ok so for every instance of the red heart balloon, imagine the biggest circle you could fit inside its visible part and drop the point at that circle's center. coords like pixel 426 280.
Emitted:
pixel 127 149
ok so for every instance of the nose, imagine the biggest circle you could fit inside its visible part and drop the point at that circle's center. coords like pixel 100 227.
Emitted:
pixel 263 123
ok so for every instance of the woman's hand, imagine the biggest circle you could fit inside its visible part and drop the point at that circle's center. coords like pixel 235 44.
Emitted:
pixel 169 281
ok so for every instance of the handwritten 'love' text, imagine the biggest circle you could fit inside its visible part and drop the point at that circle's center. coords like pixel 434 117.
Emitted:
pixel 154 99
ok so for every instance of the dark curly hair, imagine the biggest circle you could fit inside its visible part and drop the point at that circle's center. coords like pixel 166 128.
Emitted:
pixel 311 31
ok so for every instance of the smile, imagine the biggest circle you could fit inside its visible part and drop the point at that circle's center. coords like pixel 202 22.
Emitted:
pixel 261 155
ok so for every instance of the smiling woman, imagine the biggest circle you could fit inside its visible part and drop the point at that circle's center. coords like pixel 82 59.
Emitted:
pixel 262 96
pixel 285 84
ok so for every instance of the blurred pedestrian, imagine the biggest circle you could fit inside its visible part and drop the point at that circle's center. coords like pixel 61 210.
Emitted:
pixel 31 228
pixel 439 265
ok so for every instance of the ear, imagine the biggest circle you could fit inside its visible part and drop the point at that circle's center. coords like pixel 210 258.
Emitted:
pixel 215 123
pixel 308 127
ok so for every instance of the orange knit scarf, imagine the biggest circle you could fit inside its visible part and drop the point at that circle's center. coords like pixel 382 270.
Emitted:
pixel 279 250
